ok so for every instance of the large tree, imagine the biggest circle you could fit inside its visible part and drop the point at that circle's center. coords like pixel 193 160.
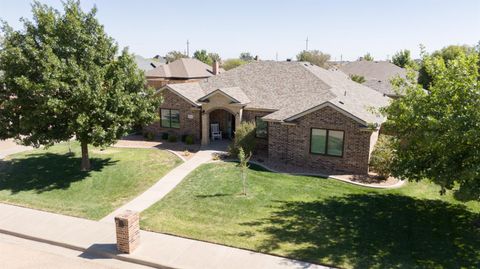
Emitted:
pixel 447 54
pixel 64 78
pixel 315 57
pixel 438 129
pixel 402 59
pixel 203 56
pixel 232 63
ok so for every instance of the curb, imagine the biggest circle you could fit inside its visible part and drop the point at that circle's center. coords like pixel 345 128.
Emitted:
pixel 95 251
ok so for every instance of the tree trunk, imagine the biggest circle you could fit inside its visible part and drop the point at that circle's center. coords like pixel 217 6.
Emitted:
pixel 85 159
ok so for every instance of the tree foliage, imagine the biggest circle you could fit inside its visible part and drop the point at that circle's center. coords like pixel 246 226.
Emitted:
pixel 437 131
pixel 244 138
pixel 402 59
pixel 243 165
pixel 357 78
pixel 382 156
pixel 446 54
pixel 202 56
pixel 63 79
pixel 174 55
pixel 367 57
pixel 214 56
pixel 232 63
pixel 246 56
pixel 207 58
pixel 315 57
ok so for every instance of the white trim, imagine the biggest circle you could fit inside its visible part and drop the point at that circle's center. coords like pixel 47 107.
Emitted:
pixel 268 110
pixel 221 92
pixel 323 105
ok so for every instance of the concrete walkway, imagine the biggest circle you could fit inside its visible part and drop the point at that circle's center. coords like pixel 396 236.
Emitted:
pixel 165 184
pixel 8 147
pixel 156 250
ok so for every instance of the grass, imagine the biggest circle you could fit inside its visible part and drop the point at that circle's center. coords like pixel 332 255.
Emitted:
pixel 51 179
pixel 321 220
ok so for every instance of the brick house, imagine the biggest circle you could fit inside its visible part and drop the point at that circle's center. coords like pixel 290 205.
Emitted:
pixel 305 115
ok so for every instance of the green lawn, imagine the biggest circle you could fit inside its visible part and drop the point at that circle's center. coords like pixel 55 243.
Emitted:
pixel 322 220
pixel 51 179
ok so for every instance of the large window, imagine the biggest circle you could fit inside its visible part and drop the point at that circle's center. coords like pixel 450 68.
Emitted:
pixel 262 128
pixel 170 118
pixel 327 142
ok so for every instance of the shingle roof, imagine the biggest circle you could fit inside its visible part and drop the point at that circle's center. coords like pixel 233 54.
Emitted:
pixel 147 64
pixel 234 93
pixel 291 88
pixel 376 73
pixel 182 68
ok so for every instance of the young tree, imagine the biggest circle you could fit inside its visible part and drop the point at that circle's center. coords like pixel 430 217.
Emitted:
pixel 367 57
pixel 246 56
pixel 243 165
pixel 437 130
pixel 63 79
pixel 202 56
pixel 315 57
pixel 174 55
pixel 232 63
pixel 402 59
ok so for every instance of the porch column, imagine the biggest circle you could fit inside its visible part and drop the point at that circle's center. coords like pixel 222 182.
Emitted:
pixel 238 118
pixel 205 133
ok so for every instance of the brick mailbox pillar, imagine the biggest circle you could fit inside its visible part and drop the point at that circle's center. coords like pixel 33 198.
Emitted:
pixel 127 227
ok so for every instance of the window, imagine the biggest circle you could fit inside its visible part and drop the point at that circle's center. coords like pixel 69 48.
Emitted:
pixel 261 130
pixel 327 142
pixel 170 118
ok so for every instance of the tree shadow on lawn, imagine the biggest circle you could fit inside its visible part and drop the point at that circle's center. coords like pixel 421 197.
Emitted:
pixel 45 171
pixel 380 231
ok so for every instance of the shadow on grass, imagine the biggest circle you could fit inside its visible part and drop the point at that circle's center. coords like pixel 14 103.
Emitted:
pixel 45 172
pixel 379 231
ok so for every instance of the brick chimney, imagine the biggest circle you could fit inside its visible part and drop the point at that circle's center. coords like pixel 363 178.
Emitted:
pixel 215 68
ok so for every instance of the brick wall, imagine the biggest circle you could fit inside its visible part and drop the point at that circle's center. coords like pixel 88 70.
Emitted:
pixel 188 125
pixel 291 143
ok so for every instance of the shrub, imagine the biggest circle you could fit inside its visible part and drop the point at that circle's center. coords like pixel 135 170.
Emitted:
pixel 382 156
pixel 357 78
pixel 164 136
pixel 149 135
pixel 172 138
pixel 184 137
pixel 189 140
pixel 244 138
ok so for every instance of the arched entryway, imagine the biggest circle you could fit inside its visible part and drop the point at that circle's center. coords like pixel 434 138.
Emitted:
pixel 225 120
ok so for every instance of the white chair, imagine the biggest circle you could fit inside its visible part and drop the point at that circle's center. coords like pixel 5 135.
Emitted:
pixel 215 130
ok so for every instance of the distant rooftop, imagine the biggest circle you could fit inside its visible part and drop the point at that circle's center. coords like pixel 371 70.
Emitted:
pixel 146 64
pixel 186 68
pixel 376 73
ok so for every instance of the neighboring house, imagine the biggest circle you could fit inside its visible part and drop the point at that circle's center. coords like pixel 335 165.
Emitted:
pixel 181 70
pixel 377 74
pixel 148 64
pixel 305 115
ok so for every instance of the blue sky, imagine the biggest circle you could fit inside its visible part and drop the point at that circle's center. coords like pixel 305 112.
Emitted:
pixel 347 28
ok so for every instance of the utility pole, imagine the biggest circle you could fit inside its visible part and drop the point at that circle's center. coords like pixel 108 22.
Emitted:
pixel 306 44
pixel 188 48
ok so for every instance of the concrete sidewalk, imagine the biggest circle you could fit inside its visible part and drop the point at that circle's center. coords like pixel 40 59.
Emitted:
pixel 163 185
pixel 156 250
